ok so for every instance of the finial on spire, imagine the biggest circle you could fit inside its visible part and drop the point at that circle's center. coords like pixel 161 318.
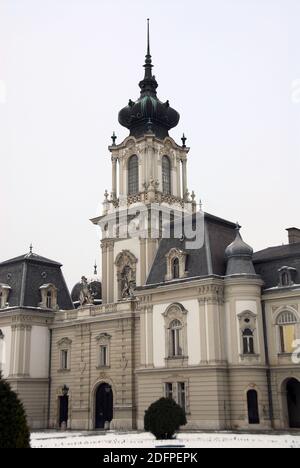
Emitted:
pixel 95 269
pixel 31 248
pixel 183 139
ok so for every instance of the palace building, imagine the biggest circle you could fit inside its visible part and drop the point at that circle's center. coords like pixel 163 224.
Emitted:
pixel 199 318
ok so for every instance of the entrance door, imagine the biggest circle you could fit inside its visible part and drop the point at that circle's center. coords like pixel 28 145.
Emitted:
pixel 104 405
pixel 293 401
pixel 63 409
pixel 253 410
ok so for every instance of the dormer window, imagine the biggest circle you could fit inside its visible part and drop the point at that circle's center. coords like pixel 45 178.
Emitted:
pixel 49 299
pixel 175 268
pixel 176 264
pixel 4 295
pixel 48 296
pixel 286 276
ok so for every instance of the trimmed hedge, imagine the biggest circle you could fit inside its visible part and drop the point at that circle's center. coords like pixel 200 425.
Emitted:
pixel 163 418
pixel 14 432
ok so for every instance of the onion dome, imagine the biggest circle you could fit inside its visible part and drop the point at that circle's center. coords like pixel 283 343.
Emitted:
pixel 148 114
pixel 239 257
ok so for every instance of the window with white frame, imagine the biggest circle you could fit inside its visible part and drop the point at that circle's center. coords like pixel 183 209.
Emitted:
pixel 178 391
pixel 64 359
pixel 169 390
pixel 176 333
pixel 181 389
pixel 287 322
pixel 176 339
pixel 64 346
pixel 248 341
pixel 103 355
pixel 103 341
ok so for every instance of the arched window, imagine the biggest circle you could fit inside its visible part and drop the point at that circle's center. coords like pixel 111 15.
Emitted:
pixel 175 338
pixel 133 175
pixel 175 268
pixel 248 341
pixel 49 300
pixel 166 175
pixel 253 410
pixel 287 331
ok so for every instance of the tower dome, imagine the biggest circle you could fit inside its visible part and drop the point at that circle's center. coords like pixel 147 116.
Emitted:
pixel 148 113
pixel 239 257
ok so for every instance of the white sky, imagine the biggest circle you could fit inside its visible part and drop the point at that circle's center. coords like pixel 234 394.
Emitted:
pixel 68 66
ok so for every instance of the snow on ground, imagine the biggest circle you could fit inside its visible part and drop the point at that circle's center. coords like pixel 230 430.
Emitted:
pixel 113 440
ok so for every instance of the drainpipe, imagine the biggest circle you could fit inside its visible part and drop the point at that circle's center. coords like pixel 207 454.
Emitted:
pixel 268 371
pixel 49 380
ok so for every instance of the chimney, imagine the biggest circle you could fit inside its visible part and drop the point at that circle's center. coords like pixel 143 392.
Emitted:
pixel 294 235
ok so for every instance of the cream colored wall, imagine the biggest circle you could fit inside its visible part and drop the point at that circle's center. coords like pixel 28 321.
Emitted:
pixel 275 303
pixel 242 295
pixel 193 333
pixel 39 352
pixel 5 351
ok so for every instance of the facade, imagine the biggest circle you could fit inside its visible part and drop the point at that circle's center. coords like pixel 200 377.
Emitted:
pixel 208 323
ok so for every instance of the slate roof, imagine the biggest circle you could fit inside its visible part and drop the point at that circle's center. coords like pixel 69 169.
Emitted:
pixel 267 262
pixel 26 274
pixel 206 261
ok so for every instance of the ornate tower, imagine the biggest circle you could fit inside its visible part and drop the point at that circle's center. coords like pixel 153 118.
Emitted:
pixel 149 184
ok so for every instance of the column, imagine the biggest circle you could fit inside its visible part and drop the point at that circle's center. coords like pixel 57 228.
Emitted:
pixel 184 177
pixel 114 176
pixel 111 276
pixel 104 272
pixel 178 192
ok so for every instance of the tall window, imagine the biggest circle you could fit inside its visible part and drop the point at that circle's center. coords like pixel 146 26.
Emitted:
pixel 103 355
pixel 253 410
pixel 169 390
pixel 287 331
pixel 166 175
pixel 64 359
pixel 175 268
pixel 248 341
pixel 175 341
pixel 181 395
pixel 133 175
pixel 49 299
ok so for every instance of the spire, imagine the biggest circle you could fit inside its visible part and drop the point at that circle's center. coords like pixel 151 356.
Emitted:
pixel 31 248
pixel 148 38
pixel 149 84
pixel 95 269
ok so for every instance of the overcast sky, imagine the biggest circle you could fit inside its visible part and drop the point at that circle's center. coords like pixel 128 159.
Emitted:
pixel 68 66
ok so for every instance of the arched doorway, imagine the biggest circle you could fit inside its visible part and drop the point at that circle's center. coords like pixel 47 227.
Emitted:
pixel 104 405
pixel 293 403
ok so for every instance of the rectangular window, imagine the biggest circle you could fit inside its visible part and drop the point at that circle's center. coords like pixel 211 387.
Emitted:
pixel 287 337
pixel 64 359
pixel 103 356
pixel 169 390
pixel 182 395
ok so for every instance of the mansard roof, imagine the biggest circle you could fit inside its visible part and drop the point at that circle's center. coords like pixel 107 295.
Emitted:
pixel 269 261
pixel 205 261
pixel 26 274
